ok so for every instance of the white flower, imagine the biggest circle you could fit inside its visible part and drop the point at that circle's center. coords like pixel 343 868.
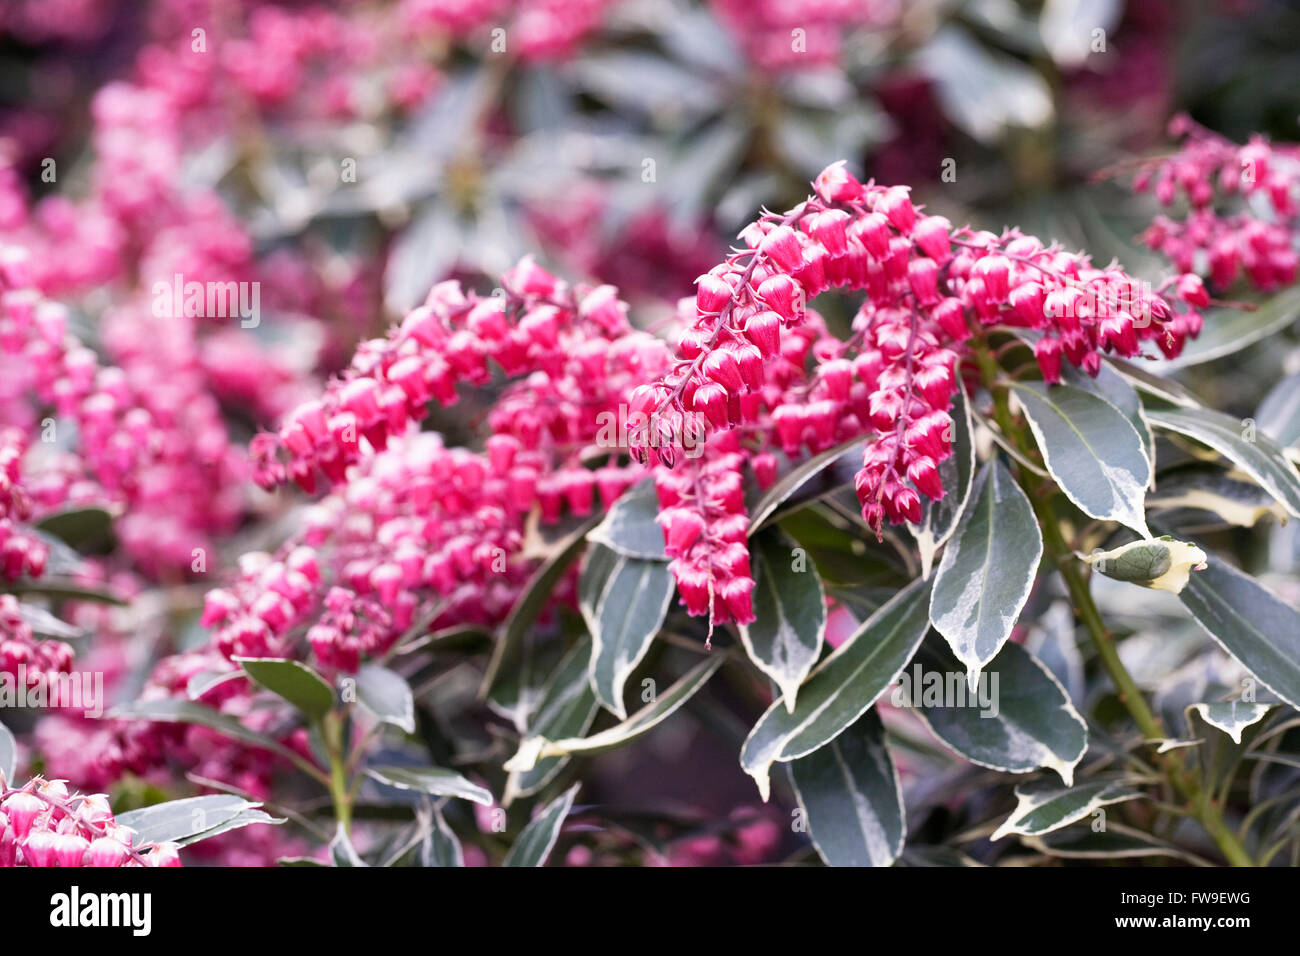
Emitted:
pixel 1160 563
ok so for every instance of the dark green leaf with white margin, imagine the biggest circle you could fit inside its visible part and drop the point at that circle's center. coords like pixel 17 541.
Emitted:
pixel 987 569
pixel 342 852
pixel 567 709
pixel 840 689
pixel 1044 805
pixel 1232 717
pixel 535 749
pixel 851 795
pixel 1149 383
pixel 1279 414
pixel 1230 330
pixel 505 679
pixel 624 601
pixel 1117 390
pixel 1251 623
pixel 1208 487
pixel 789 612
pixel 1261 458
pixel 387 695
pixel 440 846
pixel 435 781
pixel 956 472
pixel 1116 842
pixel 1035 726
pixel 192 819
pixel 630 527
pixel 295 682
pixel 535 843
pixel 1091 450
pixel 8 754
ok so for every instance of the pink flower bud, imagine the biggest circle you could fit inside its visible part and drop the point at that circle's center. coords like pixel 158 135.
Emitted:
pixel 830 228
pixel 952 319
pixel 1047 351
pixel 763 329
pixel 721 366
pixel 896 204
pixel 22 809
pixel 872 230
pixel 782 246
pixel 931 234
pixel 836 184
pixel 40 848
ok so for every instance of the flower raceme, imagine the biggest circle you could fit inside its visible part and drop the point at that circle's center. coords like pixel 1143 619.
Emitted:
pixel 42 824
pixel 756 361
pixel 1210 171
pixel 756 372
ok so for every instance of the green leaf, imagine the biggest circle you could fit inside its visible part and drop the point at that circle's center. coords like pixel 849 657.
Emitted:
pixel 957 472
pixel 188 712
pixel 631 526
pixel 1091 449
pixel 435 781
pixel 987 570
pixel 535 843
pixel 1279 413
pixel 1232 717
pixel 841 688
pixel 1151 384
pixel 801 477
pixel 1044 805
pixel 1116 842
pixel 1207 487
pixel 1261 458
pixel 1251 623
pixel 567 709
pixel 192 819
pixel 387 695
pixel 342 852
pixel 82 528
pixel 624 601
pixel 785 638
pixel 851 795
pixel 1230 330
pixel 1035 725
pixel 440 846
pixel 8 755
pixel 509 655
pixel 1114 388
pixel 293 681
pixel 535 749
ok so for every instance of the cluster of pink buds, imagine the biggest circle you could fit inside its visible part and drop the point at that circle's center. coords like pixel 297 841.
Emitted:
pixel 755 359
pixel 20 551
pixel 42 824
pixel 1219 237
pixel 705 525
pixel 535 30
pixel 19 646
pixel 776 35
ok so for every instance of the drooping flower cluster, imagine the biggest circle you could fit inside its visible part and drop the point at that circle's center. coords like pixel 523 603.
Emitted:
pixel 1243 207
pixel 533 30
pixel 42 824
pixel 777 35
pixel 20 648
pixel 743 362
